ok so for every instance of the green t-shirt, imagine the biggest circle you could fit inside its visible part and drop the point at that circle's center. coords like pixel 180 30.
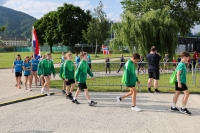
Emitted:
pixel 182 67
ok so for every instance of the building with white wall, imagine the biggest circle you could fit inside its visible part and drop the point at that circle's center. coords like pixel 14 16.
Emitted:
pixel 14 41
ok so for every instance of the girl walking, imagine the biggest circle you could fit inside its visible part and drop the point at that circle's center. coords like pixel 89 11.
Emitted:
pixel 18 63
pixel 47 67
pixel 34 66
pixel 27 72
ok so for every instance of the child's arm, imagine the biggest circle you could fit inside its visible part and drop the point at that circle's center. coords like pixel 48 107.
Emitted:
pixel 178 78
pixel 89 72
pixel 66 75
pixel 52 68
pixel 77 73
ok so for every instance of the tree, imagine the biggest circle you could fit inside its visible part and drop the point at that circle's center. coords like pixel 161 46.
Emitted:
pixel 98 28
pixel 152 28
pixel 64 25
pixel 185 12
pixel 71 21
pixel 47 30
pixel 2 28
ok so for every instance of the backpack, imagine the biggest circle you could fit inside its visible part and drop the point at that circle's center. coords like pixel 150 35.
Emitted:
pixel 173 78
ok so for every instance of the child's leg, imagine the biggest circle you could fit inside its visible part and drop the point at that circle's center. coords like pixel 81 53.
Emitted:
pixel 175 98
pixel 87 94
pixel 25 81
pixel 72 87
pixel 47 82
pixel 30 83
pixel 106 68
pixel 77 93
pixel 127 94
pixel 67 89
pixel 35 76
pixel 134 93
pixel 185 98
pixel 19 81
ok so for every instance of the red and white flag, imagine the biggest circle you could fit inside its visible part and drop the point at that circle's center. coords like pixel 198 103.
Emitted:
pixel 105 49
pixel 35 44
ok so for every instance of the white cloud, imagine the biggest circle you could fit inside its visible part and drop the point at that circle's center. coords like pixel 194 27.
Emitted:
pixel 84 5
pixel 33 7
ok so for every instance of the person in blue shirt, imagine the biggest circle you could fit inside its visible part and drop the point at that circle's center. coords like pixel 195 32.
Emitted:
pixel 62 58
pixel 89 61
pixel 77 60
pixel 34 66
pixel 27 72
pixel 18 70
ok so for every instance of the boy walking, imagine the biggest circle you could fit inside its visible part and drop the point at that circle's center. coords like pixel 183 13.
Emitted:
pixel 180 84
pixel 130 78
pixel 80 77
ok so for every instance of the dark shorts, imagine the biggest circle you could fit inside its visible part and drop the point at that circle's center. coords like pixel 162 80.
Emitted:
pixel 18 74
pixel 174 64
pixel 89 65
pixel 82 86
pixel 184 87
pixel 26 75
pixel 47 74
pixel 154 75
pixel 70 81
pixel 131 86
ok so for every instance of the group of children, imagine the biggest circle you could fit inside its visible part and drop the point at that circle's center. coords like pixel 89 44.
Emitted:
pixel 73 74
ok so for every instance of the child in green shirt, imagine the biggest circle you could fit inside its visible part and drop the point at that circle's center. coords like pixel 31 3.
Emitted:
pixel 180 84
pixel 68 75
pixel 130 79
pixel 80 77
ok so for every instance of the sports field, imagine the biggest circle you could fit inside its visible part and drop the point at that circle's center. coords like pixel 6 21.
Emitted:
pixel 7 58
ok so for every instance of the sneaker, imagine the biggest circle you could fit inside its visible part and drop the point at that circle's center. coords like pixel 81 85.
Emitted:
pixel 118 100
pixel 185 111
pixel 63 92
pixel 69 97
pixel 25 88
pixel 42 90
pixel 75 101
pixel 92 103
pixel 48 94
pixel 30 89
pixel 174 109
pixel 157 91
pixel 136 108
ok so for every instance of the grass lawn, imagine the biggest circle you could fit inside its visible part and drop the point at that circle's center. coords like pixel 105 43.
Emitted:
pixel 106 84
pixel 7 58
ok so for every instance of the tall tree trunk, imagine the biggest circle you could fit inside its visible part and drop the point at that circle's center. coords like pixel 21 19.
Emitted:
pixel 96 49
pixel 51 50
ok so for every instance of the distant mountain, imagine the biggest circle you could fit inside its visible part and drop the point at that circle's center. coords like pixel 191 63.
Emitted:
pixel 18 23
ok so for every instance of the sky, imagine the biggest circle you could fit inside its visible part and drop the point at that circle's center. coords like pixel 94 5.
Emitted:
pixel 37 8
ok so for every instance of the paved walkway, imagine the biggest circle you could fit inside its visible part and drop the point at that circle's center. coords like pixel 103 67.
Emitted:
pixel 55 114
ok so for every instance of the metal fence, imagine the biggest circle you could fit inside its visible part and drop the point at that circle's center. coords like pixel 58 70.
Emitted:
pixel 30 49
pixel 115 79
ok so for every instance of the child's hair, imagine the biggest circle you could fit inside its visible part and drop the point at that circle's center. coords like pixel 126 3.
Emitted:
pixel 83 54
pixel 68 54
pixel 136 56
pixel 48 53
pixel 185 54
pixel 25 59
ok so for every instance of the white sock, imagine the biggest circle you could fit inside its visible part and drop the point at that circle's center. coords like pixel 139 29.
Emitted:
pixel 173 105
pixel 89 101
pixel 74 98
